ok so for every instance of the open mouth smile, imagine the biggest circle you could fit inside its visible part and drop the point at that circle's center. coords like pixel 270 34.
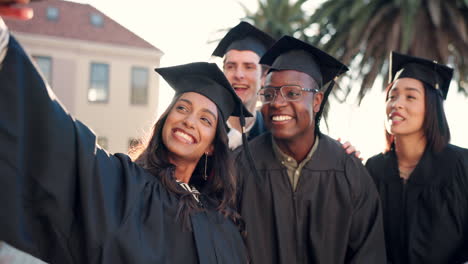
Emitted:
pixel 183 136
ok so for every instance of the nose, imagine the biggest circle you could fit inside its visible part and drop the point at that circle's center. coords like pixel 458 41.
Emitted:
pixel 189 121
pixel 397 103
pixel 239 73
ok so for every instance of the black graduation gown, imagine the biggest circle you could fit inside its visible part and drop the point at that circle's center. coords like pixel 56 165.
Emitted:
pixel 426 219
pixel 65 200
pixel 258 127
pixel 334 216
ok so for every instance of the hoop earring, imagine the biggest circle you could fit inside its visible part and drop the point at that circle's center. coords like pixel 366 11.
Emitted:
pixel 206 165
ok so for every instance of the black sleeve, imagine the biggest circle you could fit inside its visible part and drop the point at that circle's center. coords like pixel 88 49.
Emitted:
pixel 461 187
pixel 373 168
pixel 238 155
pixel 366 238
pixel 61 194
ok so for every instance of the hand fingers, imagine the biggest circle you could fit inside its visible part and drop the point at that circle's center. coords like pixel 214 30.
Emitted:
pixel 339 140
pixel 23 13
pixel 358 155
pixel 350 150
pixel 346 145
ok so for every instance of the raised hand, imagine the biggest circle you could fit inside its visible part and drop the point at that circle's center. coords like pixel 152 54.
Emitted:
pixel 350 149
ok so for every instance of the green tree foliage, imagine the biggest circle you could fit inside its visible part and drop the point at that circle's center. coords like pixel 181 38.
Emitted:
pixel 361 33
pixel 280 17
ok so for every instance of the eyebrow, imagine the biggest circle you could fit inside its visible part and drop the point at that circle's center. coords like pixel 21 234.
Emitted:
pixel 407 89
pixel 287 84
pixel 243 63
pixel 203 110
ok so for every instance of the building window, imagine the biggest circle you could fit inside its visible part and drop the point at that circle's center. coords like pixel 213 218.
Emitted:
pixel 96 20
pixel 45 66
pixel 103 142
pixel 52 13
pixel 99 83
pixel 139 89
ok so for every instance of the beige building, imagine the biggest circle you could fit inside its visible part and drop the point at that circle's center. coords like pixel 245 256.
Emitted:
pixel 101 72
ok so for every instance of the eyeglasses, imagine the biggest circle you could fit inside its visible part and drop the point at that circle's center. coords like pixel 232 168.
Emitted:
pixel 289 92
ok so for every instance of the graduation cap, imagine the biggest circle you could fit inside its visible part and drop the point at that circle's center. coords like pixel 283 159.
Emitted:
pixel 436 75
pixel 206 79
pixel 289 53
pixel 244 37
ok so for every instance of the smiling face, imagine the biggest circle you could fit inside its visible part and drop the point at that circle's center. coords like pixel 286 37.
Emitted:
pixel 405 107
pixel 244 74
pixel 190 127
pixel 292 120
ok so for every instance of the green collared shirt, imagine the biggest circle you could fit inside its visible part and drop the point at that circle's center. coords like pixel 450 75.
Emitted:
pixel 293 168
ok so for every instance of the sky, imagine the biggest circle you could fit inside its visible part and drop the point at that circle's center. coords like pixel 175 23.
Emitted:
pixel 186 31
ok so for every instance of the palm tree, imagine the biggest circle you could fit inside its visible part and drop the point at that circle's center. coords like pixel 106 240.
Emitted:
pixel 362 33
pixel 280 17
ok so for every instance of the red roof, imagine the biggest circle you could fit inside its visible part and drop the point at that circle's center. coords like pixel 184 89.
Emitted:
pixel 74 22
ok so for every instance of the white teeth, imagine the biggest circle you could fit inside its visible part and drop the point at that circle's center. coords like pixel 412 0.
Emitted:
pixel 397 118
pixel 185 136
pixel 281 118
pixel 239 86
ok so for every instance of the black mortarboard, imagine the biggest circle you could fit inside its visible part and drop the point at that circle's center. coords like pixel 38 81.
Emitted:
pixel 244 37
pixel 289 53
pixel 206 79
pixel 436 75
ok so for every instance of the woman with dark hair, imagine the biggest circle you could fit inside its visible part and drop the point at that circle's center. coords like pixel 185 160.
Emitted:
pixel 421 178
pixel 66 200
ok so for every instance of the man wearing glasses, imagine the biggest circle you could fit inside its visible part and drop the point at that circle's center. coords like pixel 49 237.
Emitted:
pixel 307 201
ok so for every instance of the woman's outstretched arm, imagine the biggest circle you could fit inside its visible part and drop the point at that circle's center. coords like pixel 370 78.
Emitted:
pixel 61 194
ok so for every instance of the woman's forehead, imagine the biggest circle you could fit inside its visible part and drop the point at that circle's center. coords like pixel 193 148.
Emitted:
pixel 407 84
pixel 199 101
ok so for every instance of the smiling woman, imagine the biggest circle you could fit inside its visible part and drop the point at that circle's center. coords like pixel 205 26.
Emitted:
pixel 190 127
pixel 191 135
pixel 406 108
pixel 69 201
pixel 422 179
